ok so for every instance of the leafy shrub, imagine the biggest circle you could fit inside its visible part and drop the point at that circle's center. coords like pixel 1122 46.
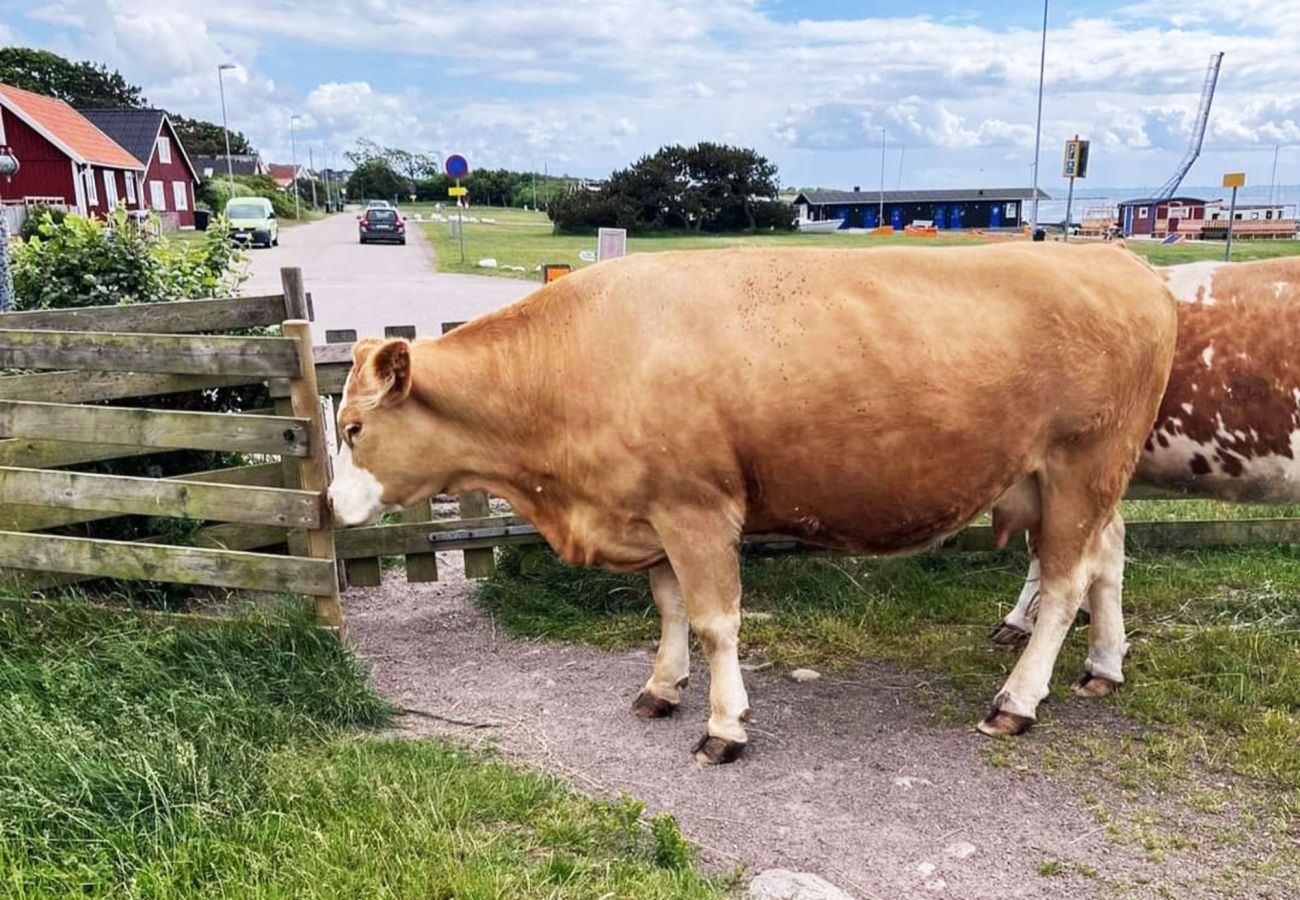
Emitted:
pixel 77 262
pixel 32 223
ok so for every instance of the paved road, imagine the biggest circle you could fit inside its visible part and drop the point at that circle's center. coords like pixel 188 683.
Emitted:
pixel 370 287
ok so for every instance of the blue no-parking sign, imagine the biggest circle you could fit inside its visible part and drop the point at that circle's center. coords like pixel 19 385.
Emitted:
pixel 456 166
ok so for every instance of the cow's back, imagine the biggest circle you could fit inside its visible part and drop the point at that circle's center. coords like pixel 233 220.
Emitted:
pixel 871 399
pixel 1229 424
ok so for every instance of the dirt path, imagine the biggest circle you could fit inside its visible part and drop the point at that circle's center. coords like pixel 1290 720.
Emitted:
pixel 855 779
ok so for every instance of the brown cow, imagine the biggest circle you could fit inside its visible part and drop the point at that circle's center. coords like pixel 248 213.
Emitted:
pixel 1229 424
pixel 646 412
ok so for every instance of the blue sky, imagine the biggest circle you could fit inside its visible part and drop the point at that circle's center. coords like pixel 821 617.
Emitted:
pixel 584 86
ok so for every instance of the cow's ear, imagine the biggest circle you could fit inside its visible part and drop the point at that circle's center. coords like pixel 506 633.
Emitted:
pixel 362 349
pixel 392 367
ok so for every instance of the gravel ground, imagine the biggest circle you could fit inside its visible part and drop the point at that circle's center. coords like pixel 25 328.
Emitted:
pixel 857 778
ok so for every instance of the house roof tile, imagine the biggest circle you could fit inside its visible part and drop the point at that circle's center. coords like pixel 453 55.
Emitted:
pixel 70 128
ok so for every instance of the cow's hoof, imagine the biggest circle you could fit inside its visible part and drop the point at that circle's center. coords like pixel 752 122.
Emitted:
pixel 1090 685
pixel 1006 635
pixel 1000 723
pixel 648 706
pixel 715 751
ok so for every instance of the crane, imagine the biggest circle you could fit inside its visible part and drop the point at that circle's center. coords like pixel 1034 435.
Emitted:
pixel 1198 130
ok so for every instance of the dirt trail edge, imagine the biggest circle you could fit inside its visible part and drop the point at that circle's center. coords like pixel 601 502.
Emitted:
pixel 853 778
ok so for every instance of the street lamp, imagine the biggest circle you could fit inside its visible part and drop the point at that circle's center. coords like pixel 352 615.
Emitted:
pixel 230 167
pixel 293 151
pixel 8 169
pixel 1038 123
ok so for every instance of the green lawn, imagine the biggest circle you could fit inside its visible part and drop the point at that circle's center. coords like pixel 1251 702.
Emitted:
pixel 522 238
pixel 242 761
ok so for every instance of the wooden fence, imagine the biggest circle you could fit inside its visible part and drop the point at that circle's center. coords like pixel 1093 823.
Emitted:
pixel 64 416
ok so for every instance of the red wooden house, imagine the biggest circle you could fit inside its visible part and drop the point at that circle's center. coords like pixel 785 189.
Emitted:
pixel 63 158
pixel 170 177
pixel 1162 217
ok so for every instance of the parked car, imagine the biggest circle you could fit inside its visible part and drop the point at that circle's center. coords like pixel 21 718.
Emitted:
pixel 252 220
pixel 381 225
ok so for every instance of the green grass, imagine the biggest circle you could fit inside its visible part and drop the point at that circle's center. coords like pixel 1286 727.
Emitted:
pixel 524 238
pixel 1242 251
pixel 241 760
pixel 1215 634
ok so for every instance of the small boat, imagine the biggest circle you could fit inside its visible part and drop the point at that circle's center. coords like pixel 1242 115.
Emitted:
pixel 819 226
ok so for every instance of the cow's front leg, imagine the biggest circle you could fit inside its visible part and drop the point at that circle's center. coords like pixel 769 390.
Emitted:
pixel 663 692
pixel 702 549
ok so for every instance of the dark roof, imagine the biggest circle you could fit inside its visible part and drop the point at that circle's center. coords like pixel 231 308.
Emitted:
pixel 1148 201
pixel 239 164
pixel 135 129
pixel 946 195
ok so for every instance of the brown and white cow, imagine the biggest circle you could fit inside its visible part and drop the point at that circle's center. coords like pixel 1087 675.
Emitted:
pixel 1229 424
pixel 646 412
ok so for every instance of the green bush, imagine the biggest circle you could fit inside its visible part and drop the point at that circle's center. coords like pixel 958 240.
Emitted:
pixel 32 224
pixel 79 262
pixel 214 193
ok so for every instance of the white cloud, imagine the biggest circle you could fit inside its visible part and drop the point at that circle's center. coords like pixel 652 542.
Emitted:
pixel 597 82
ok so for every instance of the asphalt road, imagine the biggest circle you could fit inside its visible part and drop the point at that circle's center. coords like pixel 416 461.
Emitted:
pixel 368 288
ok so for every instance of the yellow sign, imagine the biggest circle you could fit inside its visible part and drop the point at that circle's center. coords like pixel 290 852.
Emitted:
pixel 1234 179
pixel 457 191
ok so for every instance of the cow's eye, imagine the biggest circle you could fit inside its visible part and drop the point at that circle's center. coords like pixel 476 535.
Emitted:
pixel 352 432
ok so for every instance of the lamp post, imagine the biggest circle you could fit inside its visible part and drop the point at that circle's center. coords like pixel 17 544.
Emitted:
pixel 230 167
pixel 1038 122
pixel 293 152
pixel 8 168
pixel 882 178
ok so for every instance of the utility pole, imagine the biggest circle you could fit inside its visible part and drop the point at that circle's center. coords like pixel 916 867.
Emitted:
pixel 1272 180
pixel 230 167
pixel 311 167
pixel 882 178
pixel 293 152
pixel 1038 123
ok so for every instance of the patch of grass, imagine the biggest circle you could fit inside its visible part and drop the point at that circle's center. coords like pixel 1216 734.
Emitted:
pixel 237 760
pixel 1051 868
pixel 523 238
pixel 1194 251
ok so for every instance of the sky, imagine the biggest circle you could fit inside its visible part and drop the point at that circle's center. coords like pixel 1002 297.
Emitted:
pixel 586 86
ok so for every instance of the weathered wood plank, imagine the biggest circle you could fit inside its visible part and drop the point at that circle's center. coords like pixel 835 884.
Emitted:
pixel 162 429
pixel 89 387
pixel 313 471
pixel 126 495
pixel 37 518
pixel 176 317
pixel 155 562
pixel 152 353
pixel 397 540
pixel 479 563
pixel 41 454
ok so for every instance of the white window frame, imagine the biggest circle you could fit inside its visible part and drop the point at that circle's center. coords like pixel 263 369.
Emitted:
pixel 1142 212
pixel 92 190
pixel 130 188
pixel 157 196
pixel 180 196
pixel 164 149
pixel 110 191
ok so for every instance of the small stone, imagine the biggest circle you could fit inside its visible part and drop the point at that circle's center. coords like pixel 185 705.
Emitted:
pixel 937 885
pixel 925 868
pixel 783 884
pixel 805 675
pixel 960 849
pixel 907 782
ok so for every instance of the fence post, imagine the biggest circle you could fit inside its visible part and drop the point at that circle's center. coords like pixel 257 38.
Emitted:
pixel 474 505
pixel 295 309
pixel 313 469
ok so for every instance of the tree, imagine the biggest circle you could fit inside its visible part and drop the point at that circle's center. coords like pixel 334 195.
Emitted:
pixel 202 138
pixel 82 84
pixel 375 178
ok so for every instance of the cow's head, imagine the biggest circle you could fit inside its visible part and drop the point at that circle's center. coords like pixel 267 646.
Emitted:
pixel 388 448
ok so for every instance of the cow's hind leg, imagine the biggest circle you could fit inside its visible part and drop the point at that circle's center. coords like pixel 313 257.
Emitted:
pixel 703 550
pixel 1077 503
pixel 1103 672
pixel 663 692
pixel 1017 625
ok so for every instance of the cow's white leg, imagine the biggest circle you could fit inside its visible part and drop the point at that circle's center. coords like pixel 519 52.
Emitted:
pixel 663 692
pixel 702 548
pixel 1017 625
pixel 1107 644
